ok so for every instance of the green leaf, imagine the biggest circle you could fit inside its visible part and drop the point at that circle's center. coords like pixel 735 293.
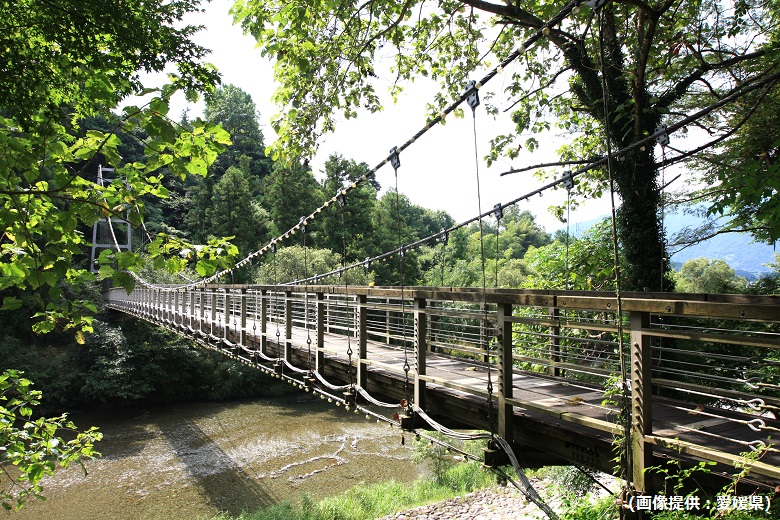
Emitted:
pixel 10 303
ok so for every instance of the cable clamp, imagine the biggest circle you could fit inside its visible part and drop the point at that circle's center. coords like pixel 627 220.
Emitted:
pixel 472 94
pixel 366 264
pixel 444 236
pixel 595 4
pixel 302 224
pixel 498 211
pixel 395 161
pixel 568 180
pixel 341 198
pixel 663 137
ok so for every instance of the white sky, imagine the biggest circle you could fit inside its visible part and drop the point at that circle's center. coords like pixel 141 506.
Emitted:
pixel 437 172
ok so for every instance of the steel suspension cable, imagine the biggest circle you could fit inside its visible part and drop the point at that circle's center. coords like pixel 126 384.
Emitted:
pixel 626 404
pixel 473 101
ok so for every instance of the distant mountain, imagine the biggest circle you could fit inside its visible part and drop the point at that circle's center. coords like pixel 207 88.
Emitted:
pixel 746 257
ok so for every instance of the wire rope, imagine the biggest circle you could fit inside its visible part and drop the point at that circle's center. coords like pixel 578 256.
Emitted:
pixel 396 164
pixel 626 468
pixel 342 201
pixel 306 294
pixel 473 101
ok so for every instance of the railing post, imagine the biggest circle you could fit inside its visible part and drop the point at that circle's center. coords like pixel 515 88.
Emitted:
pixel 641 401
pixel 483 336
pixel 288 325
pixel 191 293
pixel 175 307
pixel 505 364
pixel 362 335
pixel 555 342
pixel 202 310
pixel 226 316
pixel 213 311
pixel 320 356
pixel 242 333
pixel 420 349
pixel 388 322
pixel 263 321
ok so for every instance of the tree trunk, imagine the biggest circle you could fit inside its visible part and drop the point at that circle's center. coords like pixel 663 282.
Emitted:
pixel 639 228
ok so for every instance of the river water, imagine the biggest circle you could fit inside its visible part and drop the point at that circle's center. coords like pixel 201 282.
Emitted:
pixel 196 459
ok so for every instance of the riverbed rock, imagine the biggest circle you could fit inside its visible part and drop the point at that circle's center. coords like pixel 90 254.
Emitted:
pixel 496 503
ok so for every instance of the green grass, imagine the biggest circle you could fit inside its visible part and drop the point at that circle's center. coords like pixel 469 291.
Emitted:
pixel 364 502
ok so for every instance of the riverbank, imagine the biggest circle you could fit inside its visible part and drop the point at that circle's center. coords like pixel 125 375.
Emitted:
pixel 494 503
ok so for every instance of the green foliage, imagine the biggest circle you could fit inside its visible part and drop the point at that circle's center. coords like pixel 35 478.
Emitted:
pixel 47 162
pixel 742 174
pixel 78 54
pixel 234 110
pixel 350 226
pixel 233 212
pixel 139 363
pixel 289 193
pixel 586 264
pixel 602 509
pixel 368 502
pixel 288 265
pixel 571 483
pixel 703 275
pixel 655 59
pixel 434 453
pixel 32 447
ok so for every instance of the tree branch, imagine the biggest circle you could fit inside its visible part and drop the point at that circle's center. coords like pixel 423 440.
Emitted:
pixel 681 87
pixel 546 165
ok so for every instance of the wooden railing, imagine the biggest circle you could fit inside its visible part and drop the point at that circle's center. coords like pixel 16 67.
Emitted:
pixel 712 357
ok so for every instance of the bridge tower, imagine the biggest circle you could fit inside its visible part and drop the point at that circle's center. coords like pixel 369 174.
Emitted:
pixel 102 235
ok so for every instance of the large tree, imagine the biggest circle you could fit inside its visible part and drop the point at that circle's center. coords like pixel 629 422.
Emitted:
pixel 289 193
pixel 649 61
pixel 346 229
pixel 233 212
pixel 234 110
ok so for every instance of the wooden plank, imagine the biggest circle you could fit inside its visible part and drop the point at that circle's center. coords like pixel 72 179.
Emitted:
pixel 688 448
pixel 764 341
pixel 567 416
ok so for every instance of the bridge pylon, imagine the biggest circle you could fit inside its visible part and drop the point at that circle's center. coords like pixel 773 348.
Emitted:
pixel 108 234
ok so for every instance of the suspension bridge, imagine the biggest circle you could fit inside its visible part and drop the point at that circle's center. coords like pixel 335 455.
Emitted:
pixel 534 368
pixel 616 382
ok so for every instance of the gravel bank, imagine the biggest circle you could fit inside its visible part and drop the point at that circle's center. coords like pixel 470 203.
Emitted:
pixel 497 503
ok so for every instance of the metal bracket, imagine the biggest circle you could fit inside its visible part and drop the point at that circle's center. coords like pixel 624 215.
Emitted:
pixel 568 180
pixel 444 236
pixel 663 138
pixel 472 94
pixel 341 198
pixel 302 224
pixel 367 264
pixel 498 211
pixel 395 161
pixel 595 4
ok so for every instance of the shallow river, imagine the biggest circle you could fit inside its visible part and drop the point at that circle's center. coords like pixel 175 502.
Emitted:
pixel 193 460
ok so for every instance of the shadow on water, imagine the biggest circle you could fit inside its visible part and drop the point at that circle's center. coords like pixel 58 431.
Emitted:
pixel 224 483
